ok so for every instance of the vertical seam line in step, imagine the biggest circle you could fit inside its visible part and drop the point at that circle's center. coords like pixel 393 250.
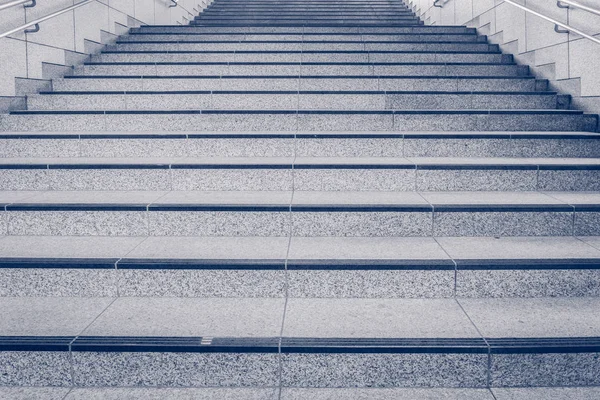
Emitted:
pixel 489 358
pixel 286 278
pixel 72 363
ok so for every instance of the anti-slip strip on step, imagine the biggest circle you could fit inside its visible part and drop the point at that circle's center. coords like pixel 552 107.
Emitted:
pixel 288 345
pixel 224 63
pixel 191 33
pixel 524 77
pixel 528 264
pixel 177 136
pixel 292 52
pixel 289 42
pixel 58 263
pixel 450 167
pixel 304 264
pixel 370 208
pixel 301 112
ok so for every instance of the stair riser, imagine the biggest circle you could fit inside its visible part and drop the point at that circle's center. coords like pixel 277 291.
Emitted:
pixel 300 37
pixel 328 283
pixel 302 147
pixel 307 29
pixel 304 70
pixel 305 46
pixel 291 122
pixel 89 369
pixel 302 224
pixel 303 179
pixel 295 84
pixel 288 102
pixel 304 57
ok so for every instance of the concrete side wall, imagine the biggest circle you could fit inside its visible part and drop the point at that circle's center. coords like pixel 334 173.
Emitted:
pixel 570 62
pixel 27 61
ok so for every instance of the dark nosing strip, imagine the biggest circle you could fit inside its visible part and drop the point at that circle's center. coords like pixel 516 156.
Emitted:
pixel 296 42
pixel 200 264
pixel 419 77
pixel 252 64
pixel 575 167
pixel 544 345
pixel 107 166
pixel 303 112
pixel 59 263
pixel 587 207
pixel 500 167
pixel 529 264
pixel 354 166
pixel 134 33
pixel 567 345
pixel 361 208
pixel 452 208
pixel 370 265
pixel 294 52
pixel 38 136
pixel 231 166
pixel 219 207
pixel 300 92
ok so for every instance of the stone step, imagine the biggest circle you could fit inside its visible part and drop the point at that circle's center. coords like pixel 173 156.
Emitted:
pixel 558 393
pixel 308 214
pixel 303 174
pixel 308 21
pixel 303 69
pixel 300 37
pixel 304 57
pixel 317 267
pixel 301 46
pixel 175 342
pixel 251 29
pixel 291 100
pixel 301 120
pixel 300 144
pixel 303 83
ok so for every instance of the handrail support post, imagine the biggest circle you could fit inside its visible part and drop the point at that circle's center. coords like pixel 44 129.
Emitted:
pixel 36 28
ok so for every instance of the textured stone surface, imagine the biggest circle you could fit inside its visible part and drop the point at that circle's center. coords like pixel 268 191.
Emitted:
pixel 48 316
pixel 576 180
pixel 35 368
pixel 77 223
pixel 473 223
pixel 384 370
pixel 361 223
pixel 587 223
pixel 354 179
pixel 39 148
pixel 109 179
pixel 443 147
pixel 376 318
pixel 527 283
pixel 349 147
pixel 175 369
pixel 35 282
pixel 475 180
pixel 370 283
pixel 386 394
pixel 172 394
pixel 232 179
pixel 201 283
pixel 558 393
pixel 559 369
pixel 172 317
pixel 33 393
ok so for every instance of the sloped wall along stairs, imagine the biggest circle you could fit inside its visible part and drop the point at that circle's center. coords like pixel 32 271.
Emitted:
pixel 300 199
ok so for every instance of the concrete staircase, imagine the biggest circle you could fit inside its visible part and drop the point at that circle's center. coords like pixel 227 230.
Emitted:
pixel 300 199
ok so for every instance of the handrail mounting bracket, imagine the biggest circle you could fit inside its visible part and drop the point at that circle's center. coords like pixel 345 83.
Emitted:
pixel 32 4
pixel 36 28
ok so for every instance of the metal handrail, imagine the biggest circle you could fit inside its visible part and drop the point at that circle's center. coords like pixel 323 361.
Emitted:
pixel 577 5
pixel 555 22
pixel 14 3
pixel 47 17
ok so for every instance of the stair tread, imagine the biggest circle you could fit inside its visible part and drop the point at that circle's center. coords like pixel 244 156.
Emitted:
pixel 303 249
pixel 510 318
pixel 305 198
